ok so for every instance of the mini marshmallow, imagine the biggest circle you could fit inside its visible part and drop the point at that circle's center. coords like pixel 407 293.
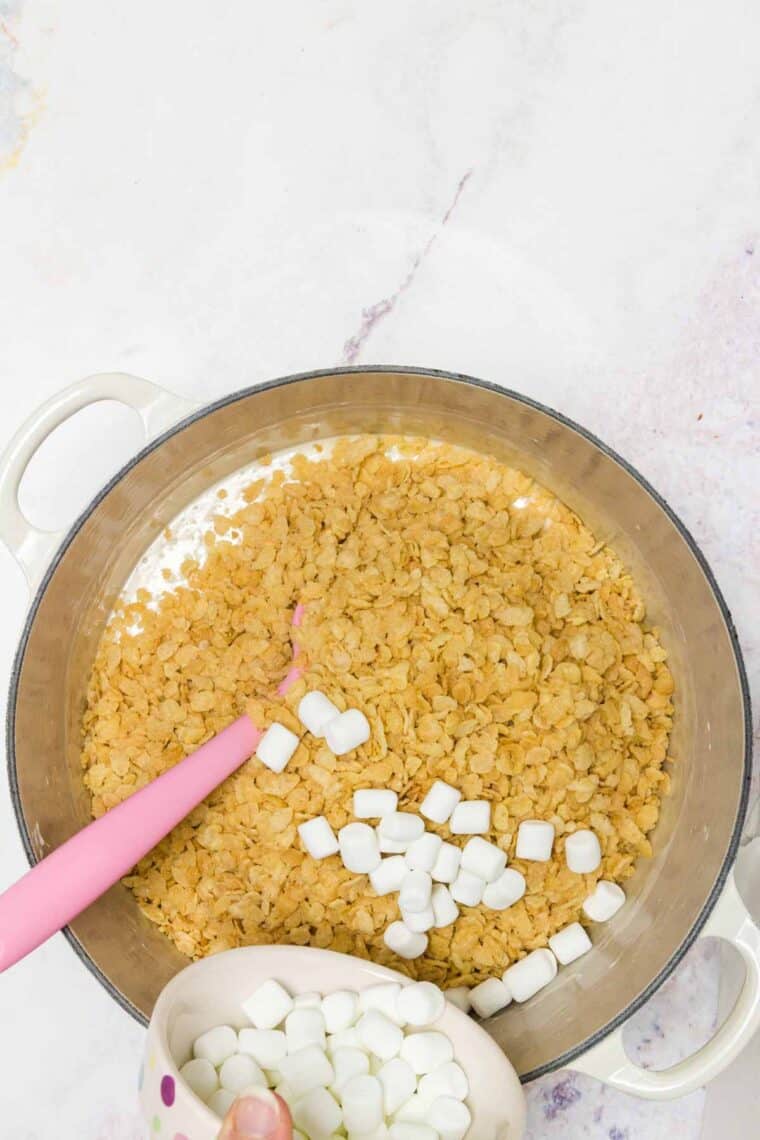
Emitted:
pixel 318 837
pixel 358 848
pixel 446 866
pixel 379 1133
pixel 399 1082
pixel 268 1005
pixel 306 1069
pixel 389 846
pixel 411 1130
pixel 266 1046
pixel 483 859
pixel 535 839
pixel 200 1075
pixel 445 910
pixel 467 889
pixel 460 997
pixel 216 1045
pixel 489 997
pixel 505 891
pixel 239 1071
pixel 348 1063
pixel 340 1010
pixel 449 1118
pixel 375 1064
pixel 427 1050
pixel 383 996
pixel 401 826
pixel 447 1080
pixel 374 803
pixel 317 1114
pixel 440 802
pixel 221 1102
pixel 305 1027
pixel 422 853
pixel 276 747
pixel 346 732
pixel 362 1100
pixel 412 1111
pixel 583 852
pixel 258 1090
pixel 415 891
pixel 420 921
pixel 315 711
pixel 404 942
pixel 379 1034
pixel 389 874
pixel 309 1000
pixel 420 1004
pixel 283 1089
pixel 530 974
pixel 571 943
pixel 605 902
pixel 343 1039
pixel 471 817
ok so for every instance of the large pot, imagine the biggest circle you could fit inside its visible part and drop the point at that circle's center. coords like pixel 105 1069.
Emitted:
pixel 685 891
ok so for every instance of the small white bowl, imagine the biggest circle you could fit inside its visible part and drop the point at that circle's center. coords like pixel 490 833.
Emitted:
pixel 209 993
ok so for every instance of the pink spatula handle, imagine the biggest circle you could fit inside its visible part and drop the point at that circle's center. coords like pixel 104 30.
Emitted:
pixel 84 867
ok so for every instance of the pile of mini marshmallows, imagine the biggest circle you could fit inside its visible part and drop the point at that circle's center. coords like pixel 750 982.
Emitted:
pixel 362 1064
pixel 524 979
pixel 433 877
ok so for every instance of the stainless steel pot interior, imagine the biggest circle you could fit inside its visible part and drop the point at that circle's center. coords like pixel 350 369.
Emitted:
pixel 670 896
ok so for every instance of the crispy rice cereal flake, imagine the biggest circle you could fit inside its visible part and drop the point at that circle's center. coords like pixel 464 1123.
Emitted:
pixel 498 647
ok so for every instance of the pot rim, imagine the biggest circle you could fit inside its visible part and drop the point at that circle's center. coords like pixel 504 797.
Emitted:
pixel 571 1054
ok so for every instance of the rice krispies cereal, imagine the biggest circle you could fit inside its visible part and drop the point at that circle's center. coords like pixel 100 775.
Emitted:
pixel 489 638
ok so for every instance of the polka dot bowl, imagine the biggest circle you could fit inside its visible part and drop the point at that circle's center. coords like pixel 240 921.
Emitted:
pixel 210 992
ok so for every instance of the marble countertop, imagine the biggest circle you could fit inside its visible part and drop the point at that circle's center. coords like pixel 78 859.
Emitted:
pixel 561 198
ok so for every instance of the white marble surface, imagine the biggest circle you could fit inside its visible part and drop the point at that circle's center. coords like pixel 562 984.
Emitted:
pixel 560 197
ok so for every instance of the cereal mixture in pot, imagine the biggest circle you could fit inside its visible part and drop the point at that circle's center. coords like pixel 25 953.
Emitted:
pixel 491 641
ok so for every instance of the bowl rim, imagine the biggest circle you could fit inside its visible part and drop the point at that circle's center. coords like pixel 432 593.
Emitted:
pixel 564 1060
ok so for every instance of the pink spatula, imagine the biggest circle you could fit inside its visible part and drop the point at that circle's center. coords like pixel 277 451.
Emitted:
pixel 63 884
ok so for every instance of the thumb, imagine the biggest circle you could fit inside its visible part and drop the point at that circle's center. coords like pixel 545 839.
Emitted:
pixel 259 1115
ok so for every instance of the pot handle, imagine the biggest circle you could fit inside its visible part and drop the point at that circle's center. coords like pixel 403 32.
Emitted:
pixel 609 1062
pixel 157 408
